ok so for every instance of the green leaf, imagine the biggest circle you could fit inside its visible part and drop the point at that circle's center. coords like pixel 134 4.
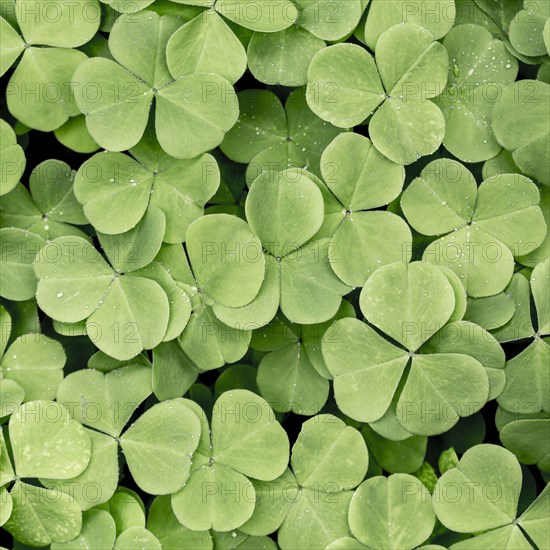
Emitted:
pixel 491 312
pixel 434 398
pixel 13 158
pixel 173 372
pixel 7 505
pixel 127 509
pixel 194 114
pixel 344 87
pixel 437 16
pixel 159 445
pixel 115 102
pixel 405 456
pixel 284 212
pixel 41 516
pixel 18 250
pixel 529 141
pixel 162 522
pixel 394 512
pixel 137 247
pixel 136 537
pixel 469 339
pixel 98 531
pixel 201 504
pixel 226 258
pixel 328 19
pixel 481 492
pixel 258 17
pixel 289 382
pixel 329 454
pixel 527 379
pixel 283 57
pixel 206 45
pixel 61 448
pixel 527 440
pixel 540 287
pixel 50 69
pixel 425 302
pixel 535 519
pixel 310 290
pixel 526 29
pixel 442 199
pixel 74 135
pixel 477 76
pixel 98 482
pixel 12 45
pixel 242 423
pixel 105 402
pixel 35 362
pixel 60 24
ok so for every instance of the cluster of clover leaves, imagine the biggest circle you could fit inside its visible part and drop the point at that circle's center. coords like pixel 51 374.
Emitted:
pixel 302 260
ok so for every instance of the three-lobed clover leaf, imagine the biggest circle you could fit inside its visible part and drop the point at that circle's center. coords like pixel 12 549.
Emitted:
pixel 45 442
pixel 157 447
pixel 285 212
pixel 31 368
pixel 271 138
pixel 150 178
pixel 244 441
pixel 48 60
pixel 484 227
pixel 481 494
pixel 309 505
pixel 346 86
pixel 192 113
pixel 124 313
pixel 411 303
pixel 50 209
pixel 477 76
pixel 361 179
pixel 13 160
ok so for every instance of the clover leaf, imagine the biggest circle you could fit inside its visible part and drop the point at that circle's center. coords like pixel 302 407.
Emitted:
pixel 244 441
pixel 61 26
pixel 368 372
pixel 286 212
pixel 405 125
pixel 481 494
pixel 159 459
pixel 276 138
pixel 50 209
pixel 526 29
pixel 394 512
pixel 328 460
pixel 529 141
pixel 201 105
pixel 361 179
pixel 98 529
pixel 77 284
pixel 31 368
pixel 150 179
pixel 13 159
pixel 485 227
pixel 476 79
